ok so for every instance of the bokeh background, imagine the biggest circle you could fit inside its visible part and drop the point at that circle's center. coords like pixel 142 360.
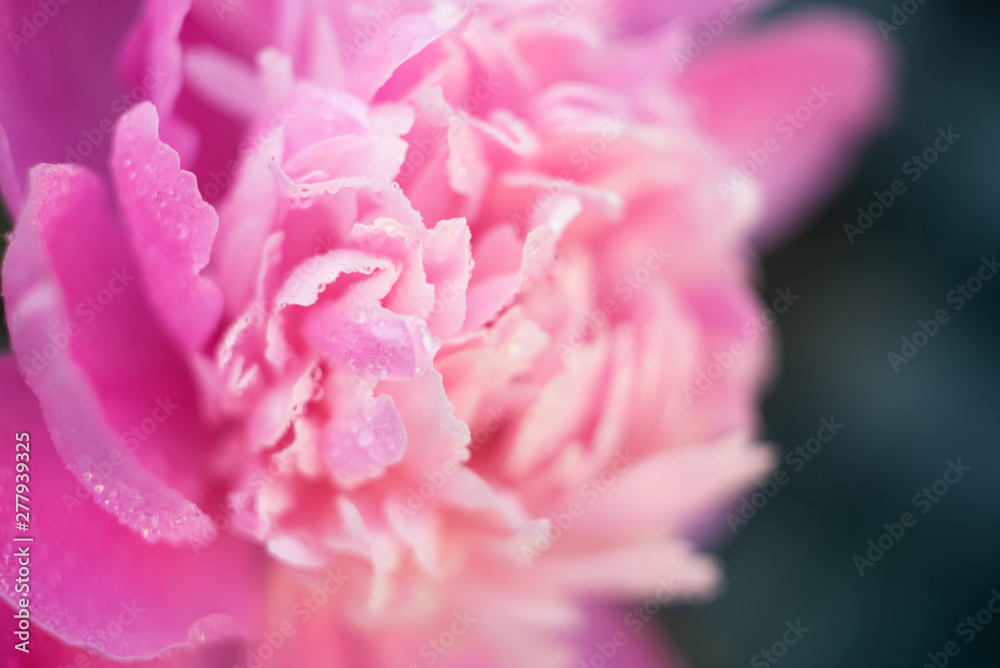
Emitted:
pixel 793 561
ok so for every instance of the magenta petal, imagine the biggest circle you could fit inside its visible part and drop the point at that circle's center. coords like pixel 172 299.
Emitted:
pixel 152 54
pixel 116 398
pixel 60 82
pixel 49 651
pixel 91 576
pixel 744 91
pixel 171 226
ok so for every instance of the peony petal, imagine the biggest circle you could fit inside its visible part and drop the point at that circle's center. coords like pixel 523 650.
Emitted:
pixel 117 400
pixel 61 91
pixel 94 583
pixel 638 644
pixel 744 91
pixel 171 227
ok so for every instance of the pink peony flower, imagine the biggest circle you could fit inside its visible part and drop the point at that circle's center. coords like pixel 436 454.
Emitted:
pixel 393 334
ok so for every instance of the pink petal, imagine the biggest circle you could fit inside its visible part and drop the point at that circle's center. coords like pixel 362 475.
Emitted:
pixel 635 645
pixel 171 227
pixel 151 60
pixel 373 342
pixel 152 51
pixel 112 388
pixel 90 576
pixel 61 82
pixel 743 90
pixel 362 441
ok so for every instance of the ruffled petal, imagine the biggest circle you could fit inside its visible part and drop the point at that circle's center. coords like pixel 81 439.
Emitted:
pixel 94 583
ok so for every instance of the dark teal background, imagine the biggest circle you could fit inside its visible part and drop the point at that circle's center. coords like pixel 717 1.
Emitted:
pixel 793 560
